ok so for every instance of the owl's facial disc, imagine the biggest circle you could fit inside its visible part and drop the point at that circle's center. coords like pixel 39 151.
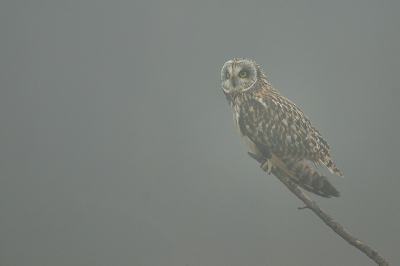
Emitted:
pixel 238 75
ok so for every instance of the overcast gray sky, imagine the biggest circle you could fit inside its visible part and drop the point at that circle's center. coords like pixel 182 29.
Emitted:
pixel 118 146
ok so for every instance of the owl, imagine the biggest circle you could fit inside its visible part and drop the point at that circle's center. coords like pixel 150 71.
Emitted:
pixel 274 128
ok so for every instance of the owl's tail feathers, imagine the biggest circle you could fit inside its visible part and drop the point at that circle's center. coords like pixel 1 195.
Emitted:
pixel 306 177
pixel 328 162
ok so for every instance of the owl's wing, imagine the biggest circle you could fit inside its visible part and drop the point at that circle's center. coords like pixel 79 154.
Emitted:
pixel 277 124
pixel 282 133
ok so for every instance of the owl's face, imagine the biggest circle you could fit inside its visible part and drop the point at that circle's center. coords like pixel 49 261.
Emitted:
pixel 239 74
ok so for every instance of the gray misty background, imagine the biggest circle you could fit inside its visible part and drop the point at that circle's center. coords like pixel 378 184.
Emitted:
pixel 118 145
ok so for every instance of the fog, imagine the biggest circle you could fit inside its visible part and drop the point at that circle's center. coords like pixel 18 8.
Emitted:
pixel 118 146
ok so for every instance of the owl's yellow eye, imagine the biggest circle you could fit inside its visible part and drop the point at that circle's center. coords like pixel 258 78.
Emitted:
pixel 228 76
pixel 242 74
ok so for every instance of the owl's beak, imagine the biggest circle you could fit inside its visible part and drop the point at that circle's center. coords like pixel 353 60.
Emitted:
pixel 233 81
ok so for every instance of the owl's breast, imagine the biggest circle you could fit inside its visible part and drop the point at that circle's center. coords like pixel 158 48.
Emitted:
pixel 236 118
pixel 247 126
pixel 261 126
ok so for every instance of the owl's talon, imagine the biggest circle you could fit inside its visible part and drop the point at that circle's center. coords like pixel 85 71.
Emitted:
pixel 268 167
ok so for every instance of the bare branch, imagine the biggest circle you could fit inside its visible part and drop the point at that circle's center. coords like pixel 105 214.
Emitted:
pixel 335 226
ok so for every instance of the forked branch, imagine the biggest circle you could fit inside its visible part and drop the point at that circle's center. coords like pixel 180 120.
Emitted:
pixel 335 226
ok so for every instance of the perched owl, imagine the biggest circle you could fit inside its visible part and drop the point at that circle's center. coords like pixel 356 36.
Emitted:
pixel 274 128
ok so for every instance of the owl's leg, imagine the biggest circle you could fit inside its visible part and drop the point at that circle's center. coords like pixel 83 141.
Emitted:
pixel 268 167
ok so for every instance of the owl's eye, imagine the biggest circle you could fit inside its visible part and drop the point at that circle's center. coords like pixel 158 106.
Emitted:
pixel 243 73
pixel 228 76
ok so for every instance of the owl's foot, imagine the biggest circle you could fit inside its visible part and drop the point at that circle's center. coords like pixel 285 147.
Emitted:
pixel 268 167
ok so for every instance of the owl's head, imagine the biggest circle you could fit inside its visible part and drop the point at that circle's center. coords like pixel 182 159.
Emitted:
pixel 240 75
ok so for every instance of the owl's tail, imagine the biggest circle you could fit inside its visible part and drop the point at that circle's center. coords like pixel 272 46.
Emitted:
pixel 306 177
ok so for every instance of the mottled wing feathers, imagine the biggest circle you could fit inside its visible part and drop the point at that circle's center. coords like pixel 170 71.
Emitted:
pixel 294 130
pixel 282 133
